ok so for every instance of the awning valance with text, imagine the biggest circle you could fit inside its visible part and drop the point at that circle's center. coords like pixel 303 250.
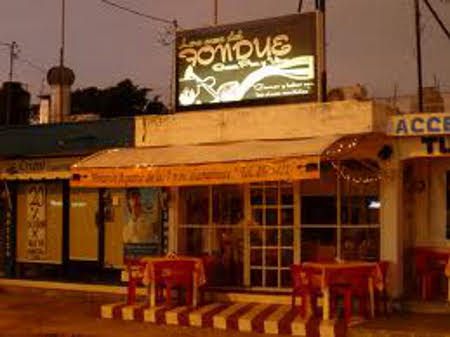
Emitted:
pixel 183 165
pixel 37 168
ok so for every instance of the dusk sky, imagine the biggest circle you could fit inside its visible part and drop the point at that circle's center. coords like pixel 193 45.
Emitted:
pixel 371 42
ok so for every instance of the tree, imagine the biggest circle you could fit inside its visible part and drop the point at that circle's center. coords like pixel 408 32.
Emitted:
pixel 123 99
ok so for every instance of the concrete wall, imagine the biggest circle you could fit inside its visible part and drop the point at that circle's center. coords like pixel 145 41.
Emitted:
pixel 288 121
pixel 430 216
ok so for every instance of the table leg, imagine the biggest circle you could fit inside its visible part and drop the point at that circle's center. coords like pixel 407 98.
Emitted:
pixel 152 294
pixel 326 303
pixel 448 289
pixel 194 291
pixel 194 296
pixel 371 298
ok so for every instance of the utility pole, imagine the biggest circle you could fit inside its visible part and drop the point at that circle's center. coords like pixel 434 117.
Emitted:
pixel 419 56
pixel 60 115
pixel 321 8
pixel 12 56
pixel 216 12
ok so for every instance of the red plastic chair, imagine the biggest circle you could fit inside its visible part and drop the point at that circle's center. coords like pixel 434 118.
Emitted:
pixel 355 284
pixel 176 274
pixel 135 269
pixel 211 264
pixel 381 296
pixel 302 286
pixel 430 267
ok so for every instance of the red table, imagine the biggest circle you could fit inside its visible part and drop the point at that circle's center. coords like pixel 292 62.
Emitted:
pixel 328 273
pixel 198 275
pixel 428 256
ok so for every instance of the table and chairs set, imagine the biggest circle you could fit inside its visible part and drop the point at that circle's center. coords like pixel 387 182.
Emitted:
pixel 165 273
pixel 432 267
pixel 340 280
pixel 331 281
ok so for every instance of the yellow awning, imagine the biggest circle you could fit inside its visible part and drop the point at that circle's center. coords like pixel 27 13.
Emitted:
pixel 228 163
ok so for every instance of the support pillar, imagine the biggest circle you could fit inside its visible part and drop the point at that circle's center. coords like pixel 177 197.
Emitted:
pixel 173 219
pixel 391 215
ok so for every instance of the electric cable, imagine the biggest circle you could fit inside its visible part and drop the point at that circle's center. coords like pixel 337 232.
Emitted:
pixel 136 12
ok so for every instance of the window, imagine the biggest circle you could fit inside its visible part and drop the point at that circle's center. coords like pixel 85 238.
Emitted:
pixel 355 236
pixel 211 226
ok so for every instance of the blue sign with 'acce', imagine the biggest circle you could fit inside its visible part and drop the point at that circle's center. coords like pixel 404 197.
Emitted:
pixel 419 124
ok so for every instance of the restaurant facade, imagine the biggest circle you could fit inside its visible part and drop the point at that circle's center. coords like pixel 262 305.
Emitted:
pixel 252 199
pixel 252 174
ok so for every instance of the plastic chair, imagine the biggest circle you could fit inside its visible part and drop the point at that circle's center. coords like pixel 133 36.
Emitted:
pixel 354 285
pixel 382 297
pixel 135 269
pixel 427 274
pixel 302 286
pixel 177 274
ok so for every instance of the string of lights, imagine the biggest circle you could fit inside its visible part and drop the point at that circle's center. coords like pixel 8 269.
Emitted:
pixel 343 148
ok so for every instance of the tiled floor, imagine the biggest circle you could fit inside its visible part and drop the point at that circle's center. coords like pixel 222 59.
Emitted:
pixel 248 317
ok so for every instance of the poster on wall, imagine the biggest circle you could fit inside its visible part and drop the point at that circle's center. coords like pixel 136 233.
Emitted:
pixel 36 221
pixel 271 60
pixel 143 222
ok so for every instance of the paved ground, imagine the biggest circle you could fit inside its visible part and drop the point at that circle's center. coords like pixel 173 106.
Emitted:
pixel 56 314
pixel 405 325
pixel 53 315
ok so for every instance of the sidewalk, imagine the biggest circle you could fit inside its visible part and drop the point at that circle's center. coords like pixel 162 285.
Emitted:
pixel 55 315
pixel 49 313
pixel 404 325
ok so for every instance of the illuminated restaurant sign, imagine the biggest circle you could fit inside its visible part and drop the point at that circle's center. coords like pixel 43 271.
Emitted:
pixel 419 124
pixel 258 61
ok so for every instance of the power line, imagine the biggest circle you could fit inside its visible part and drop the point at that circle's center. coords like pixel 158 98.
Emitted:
pixel 437 18
pixel 31 64
pixel 136 12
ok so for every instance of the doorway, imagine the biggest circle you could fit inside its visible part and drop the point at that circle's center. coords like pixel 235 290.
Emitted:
pixel 271 234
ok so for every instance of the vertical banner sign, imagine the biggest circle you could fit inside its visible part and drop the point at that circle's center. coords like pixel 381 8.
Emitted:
pixel 265 61
pixel 36 222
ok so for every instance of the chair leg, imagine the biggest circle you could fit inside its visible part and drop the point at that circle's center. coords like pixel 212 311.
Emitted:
pixel 189 295
pixel 313 304
pixel 362 306
pixel 131 298
pixel 303 307
pixel 348 306
pixel 168 294
pixel 201 296
pixel 333 306
pixel 384 299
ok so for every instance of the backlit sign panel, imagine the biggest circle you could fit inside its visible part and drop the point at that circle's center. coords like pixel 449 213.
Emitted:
pixel 254 62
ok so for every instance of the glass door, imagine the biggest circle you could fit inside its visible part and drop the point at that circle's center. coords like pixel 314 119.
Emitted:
pixel 271 234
